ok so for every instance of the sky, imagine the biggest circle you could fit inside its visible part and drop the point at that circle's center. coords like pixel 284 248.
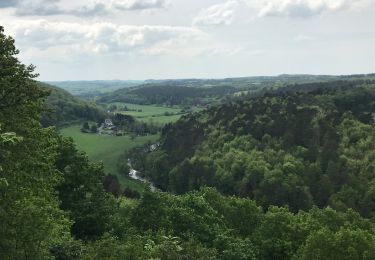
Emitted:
pixel 159 39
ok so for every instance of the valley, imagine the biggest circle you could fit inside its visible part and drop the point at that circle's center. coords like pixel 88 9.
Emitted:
pixel 107 150
pixel 216 168
pixel 144 123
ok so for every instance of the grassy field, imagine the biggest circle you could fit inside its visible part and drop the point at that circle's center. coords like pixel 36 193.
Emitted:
pixel 107 149
pixel 161 120
pixel 151 113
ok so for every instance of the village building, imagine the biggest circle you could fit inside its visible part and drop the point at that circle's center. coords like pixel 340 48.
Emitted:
pixel 108 123
pixel 108 128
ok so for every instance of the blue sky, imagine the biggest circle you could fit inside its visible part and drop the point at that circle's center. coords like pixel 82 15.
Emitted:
pixel 143 39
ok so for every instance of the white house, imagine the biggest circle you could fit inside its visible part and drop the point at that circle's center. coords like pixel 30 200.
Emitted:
pixel 108 123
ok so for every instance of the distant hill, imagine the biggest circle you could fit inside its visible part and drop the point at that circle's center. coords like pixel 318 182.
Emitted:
pixel 203 91
pixel 91 89
pixel 240 82
pixel 167 94
pixel 61 108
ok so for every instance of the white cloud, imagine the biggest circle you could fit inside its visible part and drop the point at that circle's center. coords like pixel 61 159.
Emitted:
pixel 223 51
pixel 88 39
pixel 303 38
pixel 101 38
pixel 139 4
pixel 219 14
pixel 90 8
pixel 40 7
pixel 300 8
pixel 8 3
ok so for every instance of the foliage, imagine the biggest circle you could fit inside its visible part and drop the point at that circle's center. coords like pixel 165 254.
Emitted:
pixel 31 221
pixel 167 94
pixel 202 92
pixel 61 108
pixel 129 125
pixel 82 192
pixel 206 225
pixel 283 148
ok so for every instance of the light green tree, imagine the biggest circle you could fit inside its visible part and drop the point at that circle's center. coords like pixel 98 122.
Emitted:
pixel 31 221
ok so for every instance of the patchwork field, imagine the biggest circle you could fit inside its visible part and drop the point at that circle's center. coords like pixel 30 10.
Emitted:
pixel 107 149
pixel 151 113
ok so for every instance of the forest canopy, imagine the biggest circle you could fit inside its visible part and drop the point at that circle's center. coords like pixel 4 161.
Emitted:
pixel 60 107
pixel 285 148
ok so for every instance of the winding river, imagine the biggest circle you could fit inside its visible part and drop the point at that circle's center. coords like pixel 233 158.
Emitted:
pixel 134 175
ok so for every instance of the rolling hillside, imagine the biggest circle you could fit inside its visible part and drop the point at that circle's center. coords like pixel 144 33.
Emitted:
pixel 91 89
pixel 61 108
pixel 304 148
pixel 193 92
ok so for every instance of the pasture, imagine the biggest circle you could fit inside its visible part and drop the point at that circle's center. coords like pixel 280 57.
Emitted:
pixel 107 149
pixel 150 113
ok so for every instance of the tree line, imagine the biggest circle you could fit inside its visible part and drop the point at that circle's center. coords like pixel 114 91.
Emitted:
pixel 168 94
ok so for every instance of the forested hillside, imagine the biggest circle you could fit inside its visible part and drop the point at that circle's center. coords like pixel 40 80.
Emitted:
pixel 287 148
pixel 281 149
pixel 60 108
pixel 169 95
pixel 92 89
pixel 201 92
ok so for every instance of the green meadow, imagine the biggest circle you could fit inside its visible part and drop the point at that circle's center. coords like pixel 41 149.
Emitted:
pixel 107 149
pixel 161 120
pixel 151 113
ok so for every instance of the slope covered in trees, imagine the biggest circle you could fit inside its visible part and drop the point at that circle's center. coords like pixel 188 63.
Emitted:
pixel 284 148
pixel 207 225
pixel 188 92
pixel 167 95
pixel 60 107
pixel 95 88
pixel 31 221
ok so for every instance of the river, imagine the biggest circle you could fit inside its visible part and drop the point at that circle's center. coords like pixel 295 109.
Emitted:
pixel 134 175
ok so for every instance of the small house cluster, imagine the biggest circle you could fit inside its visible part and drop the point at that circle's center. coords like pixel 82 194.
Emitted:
pixel 108 128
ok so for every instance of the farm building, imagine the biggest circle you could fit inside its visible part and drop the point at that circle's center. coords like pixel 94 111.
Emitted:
pixel 108 128
pixel 108 123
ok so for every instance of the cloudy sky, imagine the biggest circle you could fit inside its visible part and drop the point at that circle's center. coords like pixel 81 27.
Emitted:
pixel 143 39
